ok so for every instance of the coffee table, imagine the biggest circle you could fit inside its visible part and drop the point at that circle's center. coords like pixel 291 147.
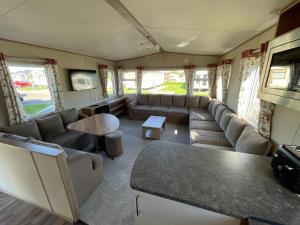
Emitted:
pixel 153 127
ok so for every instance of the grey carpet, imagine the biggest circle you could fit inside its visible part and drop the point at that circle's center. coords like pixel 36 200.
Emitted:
pixel 113 202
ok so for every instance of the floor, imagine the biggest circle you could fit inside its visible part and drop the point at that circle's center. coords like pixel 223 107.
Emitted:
pixel 113 203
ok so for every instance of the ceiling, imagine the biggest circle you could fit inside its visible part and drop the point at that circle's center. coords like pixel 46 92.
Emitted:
pixel 192 26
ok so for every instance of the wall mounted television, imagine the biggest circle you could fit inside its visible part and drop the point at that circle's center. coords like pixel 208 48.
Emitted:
pixel 83 79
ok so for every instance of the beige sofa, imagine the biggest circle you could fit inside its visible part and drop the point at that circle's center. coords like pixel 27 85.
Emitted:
pixel 211 124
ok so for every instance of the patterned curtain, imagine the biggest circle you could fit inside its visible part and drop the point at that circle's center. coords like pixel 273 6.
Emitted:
pixel 212 79
pixel 219 85
pixel 266 108
pixel 16 114
pixel 189 72
pixel 223 77
pixel 139 79
pixel 120 89
pixel 248 66
pixel 103 79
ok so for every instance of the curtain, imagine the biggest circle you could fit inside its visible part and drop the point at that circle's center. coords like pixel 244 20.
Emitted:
pixel 139 79
pixel 51 71
pixel 248 65
pixel 120 89
pixel 266 108
pixel 103 79
pixel 223 77
pixel 16 114
pixel 219 85
pixel 212 79
pixel 189 72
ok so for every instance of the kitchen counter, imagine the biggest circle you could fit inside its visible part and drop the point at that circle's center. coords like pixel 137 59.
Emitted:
pixel 231 183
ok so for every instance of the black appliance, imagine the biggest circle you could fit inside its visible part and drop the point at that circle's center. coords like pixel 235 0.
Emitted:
pixel 286 165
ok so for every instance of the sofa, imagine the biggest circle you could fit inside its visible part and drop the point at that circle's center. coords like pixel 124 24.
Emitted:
pixel 53 129
pixel 211 124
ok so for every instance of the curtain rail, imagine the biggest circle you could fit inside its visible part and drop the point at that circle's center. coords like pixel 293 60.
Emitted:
pixel 25 59
pixel 163 68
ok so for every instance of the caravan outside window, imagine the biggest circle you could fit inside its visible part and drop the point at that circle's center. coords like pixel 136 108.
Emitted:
pixel 200 86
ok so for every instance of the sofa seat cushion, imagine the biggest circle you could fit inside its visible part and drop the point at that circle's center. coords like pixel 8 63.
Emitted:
pixel 200 114
pixel 67 139
pixel 142 109
pixel 252 142
pixel 209 138
pixel 205 125
pixel 69 116
pixel 159 110
pixel 50 126
pixel 178 111
pixel 28 129
pixel 213 147
pixel 234 129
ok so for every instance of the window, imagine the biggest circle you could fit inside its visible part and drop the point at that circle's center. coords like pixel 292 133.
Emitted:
pixel 129 82
pixel 164 82
pixel 200 83
pixel 111 85
pixel 32 89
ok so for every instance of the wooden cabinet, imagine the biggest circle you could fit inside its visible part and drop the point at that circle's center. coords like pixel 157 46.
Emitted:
pixel 154 210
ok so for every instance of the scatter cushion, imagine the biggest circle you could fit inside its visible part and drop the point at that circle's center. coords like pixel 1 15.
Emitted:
pixel 192 101
pixel 50 126
pixel 214 107
pixel 178 100
pixel 28 129
pixel 166 100
pixel 204 102
pixel 234 130
pixel 154 99
pixel 209 138
pixel 210 105
pixel 205 125
pixel 143 99
pixel 178 111
pixel 159 110
pixel 252 142
pixel 225 118
pixel 219 112
pixel 69 116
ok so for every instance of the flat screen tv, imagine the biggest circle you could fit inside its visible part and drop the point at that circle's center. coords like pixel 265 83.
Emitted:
pixel 83 79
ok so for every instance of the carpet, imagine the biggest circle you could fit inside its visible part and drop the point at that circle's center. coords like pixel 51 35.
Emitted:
pixel 112 203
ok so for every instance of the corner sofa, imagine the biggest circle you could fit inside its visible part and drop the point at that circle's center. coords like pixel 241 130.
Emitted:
pixel 211 124
pixel 53 129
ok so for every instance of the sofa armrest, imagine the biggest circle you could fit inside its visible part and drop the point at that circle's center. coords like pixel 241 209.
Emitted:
pixel 86 173
pixel 130 106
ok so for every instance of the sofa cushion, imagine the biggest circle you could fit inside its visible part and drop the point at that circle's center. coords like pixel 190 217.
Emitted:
pixel 210 105
pixel 225 118
pixel 178 100
pixel 50 126
pixel 69 116
pixel 252 142
pixel 154 99
pixel 143 99
pixel 178 111
pixel 213 147
pixel 205 125
pixel 214 107
pixel 204 102
pixel 159 110
pixel 234 130
pixel 142 109
pixel 28 129
pixel 209 138
pixel 166 100
pixel 219 112
pixel 200 114
pixel 66 139
pixel 192 101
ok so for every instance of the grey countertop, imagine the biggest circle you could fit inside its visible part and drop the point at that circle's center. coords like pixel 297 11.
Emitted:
pixel 235 184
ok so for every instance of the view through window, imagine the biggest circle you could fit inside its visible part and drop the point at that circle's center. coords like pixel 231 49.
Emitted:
pixel 32 89
pixel 111 83
pixel 129 82
pixel 164 82
pixel 201 83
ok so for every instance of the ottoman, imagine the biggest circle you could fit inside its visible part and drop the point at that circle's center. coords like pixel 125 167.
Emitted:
pixel 114 144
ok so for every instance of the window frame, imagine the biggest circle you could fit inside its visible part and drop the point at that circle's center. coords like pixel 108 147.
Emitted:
pixel 135 80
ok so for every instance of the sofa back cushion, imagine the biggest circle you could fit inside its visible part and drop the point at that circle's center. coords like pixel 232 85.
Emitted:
pixel 69 116
pixel 214 107
pixel 252 142
pixel 225 118
pixel 143 99
pixel 192 101
pixel 179 100
pixel 204 102
pixel 210 105
pixel 50 126
pixel 219 112
pixel 28 129
pixel 234 130
pixel 154 99
pixel 166 100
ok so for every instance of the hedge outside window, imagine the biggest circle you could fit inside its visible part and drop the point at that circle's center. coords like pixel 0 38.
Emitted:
pixel 164 82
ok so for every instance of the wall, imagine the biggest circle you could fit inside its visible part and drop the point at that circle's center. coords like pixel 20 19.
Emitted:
pixel 66 61
pixel 286 122
pixel 168 60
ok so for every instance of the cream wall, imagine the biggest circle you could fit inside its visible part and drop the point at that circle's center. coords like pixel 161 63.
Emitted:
pixel 65 61
pixel 286 122
pixel 166 60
